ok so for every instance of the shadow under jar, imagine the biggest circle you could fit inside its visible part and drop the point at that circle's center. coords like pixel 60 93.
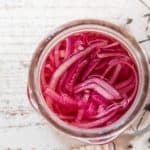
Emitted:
pixel 89 79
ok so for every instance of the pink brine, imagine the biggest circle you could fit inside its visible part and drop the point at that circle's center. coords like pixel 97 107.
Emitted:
pixel 89 80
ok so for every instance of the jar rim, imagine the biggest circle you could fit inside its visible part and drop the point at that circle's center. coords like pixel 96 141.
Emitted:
pixel 97 132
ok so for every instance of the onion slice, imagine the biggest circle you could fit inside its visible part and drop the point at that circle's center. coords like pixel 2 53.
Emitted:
pixel 103 85
pixel 64 66
pixel 96 123
pixel 115 74
pixel 106 55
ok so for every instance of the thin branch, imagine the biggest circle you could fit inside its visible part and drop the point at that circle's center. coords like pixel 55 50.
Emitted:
pixel 140 121
pixel 129 20
pixel 147 15
pixel 147 107
pixel 114 146
pixel 145 40
pixel 148 7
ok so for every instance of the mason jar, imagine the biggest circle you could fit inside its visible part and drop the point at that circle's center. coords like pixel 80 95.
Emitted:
pixel 96 135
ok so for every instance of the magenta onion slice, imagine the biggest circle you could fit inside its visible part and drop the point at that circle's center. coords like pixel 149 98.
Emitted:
pixel 112 45
pixel 68 47
pixel 99 100
pixel 115 73
pixel 63 67
pixel 64 99
pixel 74 73
pixel 57 55
pixel 106 55
pixel 124 83
pixel 98 122
pixel 107 111
pixel 90 68
pixel 100 86
pixel 89 80
pixel 96 88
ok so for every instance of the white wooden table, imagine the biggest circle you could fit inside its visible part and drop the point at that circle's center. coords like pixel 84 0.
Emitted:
pixel 23 23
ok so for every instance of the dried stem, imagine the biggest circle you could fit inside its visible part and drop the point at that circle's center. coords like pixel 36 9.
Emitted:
pixel 114 146
pixel 145 40
pixel 145 4
pixel 140 121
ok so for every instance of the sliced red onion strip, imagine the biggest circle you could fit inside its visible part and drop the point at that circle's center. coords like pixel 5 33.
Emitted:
pixel 107 70
pixel 49 92
pixel 103 84
pixel 95 76
pixel 90 68
pixel 106 55
pixel 102 64
pixel 63 99
pixel 118 60
pixel 56 55
pixel 124 83
pixel 63 117
pixel 86 95
pixel 97 88
pixel 80 114
pixel 107 112
pixel 136 84
pixel 49 102
pixel 135 78
pixel 115 74
pixel 100 100
pixel 64 66
pixel 68 47
pixel 91 110
pixel 73 75
pixel 113 63
pixel 95 123
pixel 62 54
pixel 48 66
pixel 60 84
pixel 112 45
pixel 43 80
pixel 127 88
pixel 98 41
pixel 136 81
pixel 51 58
pixel 79 45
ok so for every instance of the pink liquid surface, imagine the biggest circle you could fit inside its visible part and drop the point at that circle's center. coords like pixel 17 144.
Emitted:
pixel 89 80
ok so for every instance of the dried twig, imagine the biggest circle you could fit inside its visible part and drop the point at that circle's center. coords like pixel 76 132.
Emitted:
pixel 141 119
pixel 145 40
pixel 147 15
pixel 114 146
pixel 147 107
pixel 148 7
pixel 129 20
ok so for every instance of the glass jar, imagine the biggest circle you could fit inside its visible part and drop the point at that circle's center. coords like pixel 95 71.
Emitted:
pixel 104 134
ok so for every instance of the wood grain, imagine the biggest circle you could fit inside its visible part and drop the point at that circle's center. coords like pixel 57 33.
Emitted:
pixel 23 23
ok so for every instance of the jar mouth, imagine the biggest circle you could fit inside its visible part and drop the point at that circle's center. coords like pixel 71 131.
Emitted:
pixel 106 28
